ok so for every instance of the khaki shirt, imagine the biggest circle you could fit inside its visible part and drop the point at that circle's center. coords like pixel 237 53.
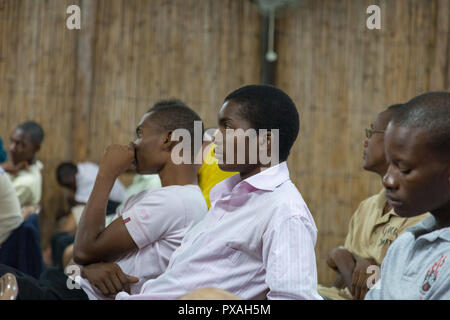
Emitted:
pixel 370 233
pixel 28 184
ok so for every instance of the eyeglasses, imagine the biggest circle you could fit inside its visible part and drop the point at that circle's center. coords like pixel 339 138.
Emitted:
pixel 370 132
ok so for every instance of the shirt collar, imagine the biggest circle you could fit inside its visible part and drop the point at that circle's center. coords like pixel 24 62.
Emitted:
pixel 426 228
pixel 267 180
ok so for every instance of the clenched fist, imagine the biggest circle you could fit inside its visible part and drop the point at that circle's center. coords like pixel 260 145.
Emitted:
pixel 117 160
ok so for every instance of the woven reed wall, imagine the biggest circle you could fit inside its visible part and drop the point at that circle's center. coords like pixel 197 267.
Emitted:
pixel 89 88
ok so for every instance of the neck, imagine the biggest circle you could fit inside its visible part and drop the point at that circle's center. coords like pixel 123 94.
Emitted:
pixel 181 174
pixel 442 216
pixel 29 161
pixel 258 169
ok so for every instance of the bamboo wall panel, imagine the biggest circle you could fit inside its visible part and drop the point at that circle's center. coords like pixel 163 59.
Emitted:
pixel 37 82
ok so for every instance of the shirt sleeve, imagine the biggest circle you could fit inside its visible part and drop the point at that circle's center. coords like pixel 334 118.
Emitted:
pixel 351 229
pixel 10 214
pixel 289 259
pixel 156 215
pixel 24 194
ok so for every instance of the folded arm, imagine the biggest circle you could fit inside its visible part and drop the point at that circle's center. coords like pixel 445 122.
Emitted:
pixel 93 242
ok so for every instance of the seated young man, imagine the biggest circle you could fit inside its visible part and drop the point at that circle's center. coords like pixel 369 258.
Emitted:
pixel 138 244
pixel 62 242
pixel 417 143
pixel 24 170
pixel 257 240
pixel 373 226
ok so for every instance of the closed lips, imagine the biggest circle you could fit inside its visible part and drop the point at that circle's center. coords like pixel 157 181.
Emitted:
pixel 393 202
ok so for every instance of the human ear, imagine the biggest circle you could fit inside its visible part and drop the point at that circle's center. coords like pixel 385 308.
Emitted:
pixel 168 143
pixel 167 139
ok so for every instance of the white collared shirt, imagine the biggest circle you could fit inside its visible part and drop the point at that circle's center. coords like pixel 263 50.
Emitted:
pixel 157 220
pixel 256 241
pixel 28 184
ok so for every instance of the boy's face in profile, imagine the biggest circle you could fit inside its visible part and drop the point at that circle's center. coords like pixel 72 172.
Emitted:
pixel 230 118
pixel 417 180
pixel 21 147
pixel 374 146
pixel 149 154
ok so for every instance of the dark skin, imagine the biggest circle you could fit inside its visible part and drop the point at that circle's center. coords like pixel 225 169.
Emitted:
pixel 22 152
pixel 149 154
pixel 69 181
pixel 418 178
pixel 352 271
pixel 230 118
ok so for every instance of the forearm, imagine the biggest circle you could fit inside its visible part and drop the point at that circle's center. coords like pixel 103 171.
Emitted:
pixel 87 247
pixel 339 281
pixel 345 265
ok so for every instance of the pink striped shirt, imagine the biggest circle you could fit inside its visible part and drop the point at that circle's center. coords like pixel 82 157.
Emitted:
pixel 257 241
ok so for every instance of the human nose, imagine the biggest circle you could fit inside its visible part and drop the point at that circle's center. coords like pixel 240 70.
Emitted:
pixel 389 180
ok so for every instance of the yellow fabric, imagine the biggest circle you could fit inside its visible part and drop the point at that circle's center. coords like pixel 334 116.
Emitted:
pixel 370 234
pixel 28 184
pixel 210 174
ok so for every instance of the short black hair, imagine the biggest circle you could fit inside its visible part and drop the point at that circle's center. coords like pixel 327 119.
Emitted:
pixel 268 107
pixel 65 169
pixel 172 114
pixel 34 130
pixel 430 112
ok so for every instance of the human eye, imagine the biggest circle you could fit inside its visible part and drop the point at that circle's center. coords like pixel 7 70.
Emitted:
pixel 404 169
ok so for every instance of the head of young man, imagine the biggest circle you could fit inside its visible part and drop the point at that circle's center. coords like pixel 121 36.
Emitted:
pixel 374 158
pixel 25 142
pixel 255 121
pixel 66 175
pixel 417 143
pixel 154 143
